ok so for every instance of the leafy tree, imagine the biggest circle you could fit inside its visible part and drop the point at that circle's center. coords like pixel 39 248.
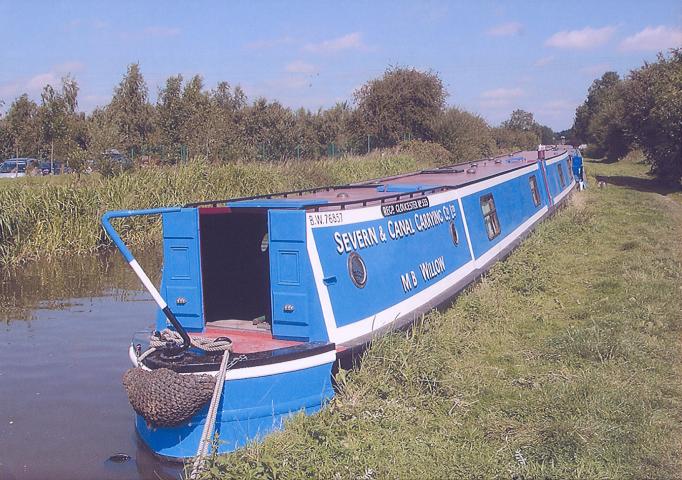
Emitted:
pixel 547 135
pixel 335 125
pixel 599 120
pixel 22 129
pixel 465 135
pixel 131 111
pixel 520 120
pixel 170 116
pixel 508 139
pixel 196 105
pixel 403 102
pixel 653 117
pixel 225 122
pixel 57 117
pixel 268 128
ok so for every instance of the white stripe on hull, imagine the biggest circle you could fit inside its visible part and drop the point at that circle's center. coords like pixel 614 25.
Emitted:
pixel 554 160
pixel 262 370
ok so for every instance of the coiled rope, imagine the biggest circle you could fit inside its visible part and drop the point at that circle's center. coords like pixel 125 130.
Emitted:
pixel 169 338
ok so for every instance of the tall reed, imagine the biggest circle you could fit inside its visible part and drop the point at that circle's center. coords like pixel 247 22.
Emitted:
pixel 54 217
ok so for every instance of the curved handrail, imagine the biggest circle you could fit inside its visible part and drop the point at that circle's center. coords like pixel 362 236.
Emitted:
pixel 123 248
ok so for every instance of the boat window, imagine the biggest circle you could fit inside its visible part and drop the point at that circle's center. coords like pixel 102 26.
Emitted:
pixel 453 233
pixel 562 180
pixel 492 223
pixel 357 270
pixel 264 243
pixel 534 189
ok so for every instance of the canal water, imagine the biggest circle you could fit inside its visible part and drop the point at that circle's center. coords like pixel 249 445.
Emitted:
pixel 64 334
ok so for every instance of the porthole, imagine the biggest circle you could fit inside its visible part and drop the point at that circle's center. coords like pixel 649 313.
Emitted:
pixel 264 243
pixel 453 233
pixel 357 270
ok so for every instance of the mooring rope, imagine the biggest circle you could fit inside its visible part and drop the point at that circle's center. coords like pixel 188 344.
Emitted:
pixel 162 339
pixel 209 426
pixel 166 338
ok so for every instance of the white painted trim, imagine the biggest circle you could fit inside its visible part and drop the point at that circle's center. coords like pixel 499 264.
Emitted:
pixel 132 356
pixel 491 182
pixel 318 277
pixel 466 228
pixel 147 284
pixel 273 368
pixel 554 160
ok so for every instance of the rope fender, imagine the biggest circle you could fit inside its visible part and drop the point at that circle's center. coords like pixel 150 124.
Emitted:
pixel 163 397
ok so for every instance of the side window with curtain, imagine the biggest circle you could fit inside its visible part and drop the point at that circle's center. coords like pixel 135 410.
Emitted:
pixel 562 179
pixel 534 190
pixel 492 223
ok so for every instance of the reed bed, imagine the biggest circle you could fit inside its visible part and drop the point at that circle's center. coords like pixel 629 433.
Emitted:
pixel 56 217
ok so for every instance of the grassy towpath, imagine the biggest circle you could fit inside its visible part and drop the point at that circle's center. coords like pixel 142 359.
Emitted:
pixel 563 362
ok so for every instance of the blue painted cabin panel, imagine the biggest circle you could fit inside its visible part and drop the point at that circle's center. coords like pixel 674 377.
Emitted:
pixel 513 203
pixel 296 310
pixel 554 179
pixel 400 253
pixel 181 283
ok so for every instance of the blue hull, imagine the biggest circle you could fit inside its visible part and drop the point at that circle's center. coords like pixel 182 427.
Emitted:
pixel 250 409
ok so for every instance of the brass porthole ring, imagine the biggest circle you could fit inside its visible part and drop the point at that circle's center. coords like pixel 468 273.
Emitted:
pixel 357 270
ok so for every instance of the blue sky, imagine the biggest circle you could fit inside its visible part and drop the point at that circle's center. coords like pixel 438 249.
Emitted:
pixel 493 57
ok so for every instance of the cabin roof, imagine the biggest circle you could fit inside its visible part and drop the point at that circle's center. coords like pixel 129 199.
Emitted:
pixel 383 190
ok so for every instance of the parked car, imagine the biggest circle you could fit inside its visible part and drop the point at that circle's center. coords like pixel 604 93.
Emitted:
pixel 118 158
pixel 15 167
pixel 46 168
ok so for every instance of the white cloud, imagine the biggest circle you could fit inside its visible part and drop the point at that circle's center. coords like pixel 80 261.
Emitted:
pixel 588 37
pixel 300 66
pixel 653 39
pixel 350 41
pixel 69 67
pixel 554 107
pixel 541 62
pixel 292 83
pixel 505 29
pixel 502 94
pixel 500 97
pixel 37 82
pixel 34 85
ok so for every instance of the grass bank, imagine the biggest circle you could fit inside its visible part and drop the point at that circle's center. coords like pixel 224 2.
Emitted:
pixel 563 362
pixel 57 216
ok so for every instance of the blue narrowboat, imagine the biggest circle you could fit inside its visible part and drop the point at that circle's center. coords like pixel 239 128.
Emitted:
pixel 294 282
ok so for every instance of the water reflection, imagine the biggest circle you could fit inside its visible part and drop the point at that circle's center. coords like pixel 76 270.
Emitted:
pixel 53 284
pixel 63 351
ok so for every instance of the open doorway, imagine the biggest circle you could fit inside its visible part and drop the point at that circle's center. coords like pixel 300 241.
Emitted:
pixel 235 267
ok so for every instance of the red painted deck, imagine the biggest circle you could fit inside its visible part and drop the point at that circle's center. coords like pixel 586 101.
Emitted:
pixel 248 341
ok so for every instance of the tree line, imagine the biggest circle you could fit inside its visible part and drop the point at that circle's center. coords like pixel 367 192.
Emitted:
pixel 641 111
pixel 403 106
